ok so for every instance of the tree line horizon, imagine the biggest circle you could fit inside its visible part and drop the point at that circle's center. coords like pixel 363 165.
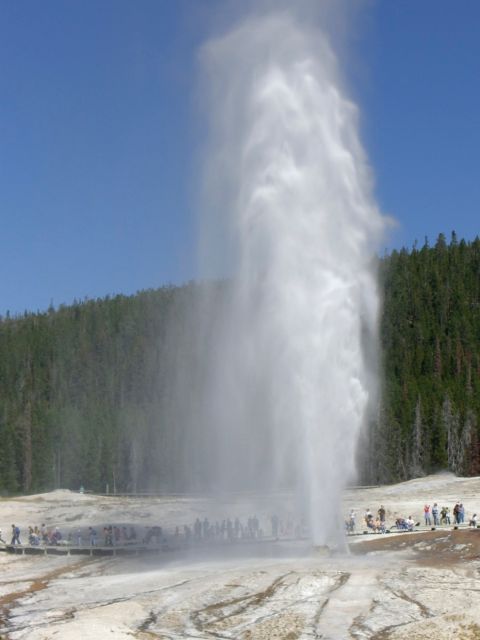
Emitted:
pixel 85 389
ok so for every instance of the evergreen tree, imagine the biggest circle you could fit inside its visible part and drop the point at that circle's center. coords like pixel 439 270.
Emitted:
pixel 87 391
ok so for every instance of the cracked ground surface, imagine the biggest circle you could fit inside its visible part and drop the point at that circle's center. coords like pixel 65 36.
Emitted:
pixel 373 593
pixel 415 586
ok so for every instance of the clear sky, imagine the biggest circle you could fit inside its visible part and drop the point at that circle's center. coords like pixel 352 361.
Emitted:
pixel 98 130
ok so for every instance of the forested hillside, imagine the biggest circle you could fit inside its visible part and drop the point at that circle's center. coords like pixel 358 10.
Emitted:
pixel 430 338
pixel 81 392
pixel 85 390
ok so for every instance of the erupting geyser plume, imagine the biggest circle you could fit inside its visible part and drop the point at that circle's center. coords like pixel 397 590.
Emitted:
pixel 292 217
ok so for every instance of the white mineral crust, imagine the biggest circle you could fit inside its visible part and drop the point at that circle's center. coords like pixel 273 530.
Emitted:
pixel 418 585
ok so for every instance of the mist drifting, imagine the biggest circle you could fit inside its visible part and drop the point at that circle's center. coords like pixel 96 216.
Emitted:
pixel 289 217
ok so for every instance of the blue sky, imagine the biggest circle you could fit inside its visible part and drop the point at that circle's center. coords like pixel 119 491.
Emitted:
pixel 98 131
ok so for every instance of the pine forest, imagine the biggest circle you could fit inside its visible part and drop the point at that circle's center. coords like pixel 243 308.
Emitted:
pixel 85 389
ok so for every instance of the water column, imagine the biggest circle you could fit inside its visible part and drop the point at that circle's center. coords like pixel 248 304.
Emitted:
pixel 290 216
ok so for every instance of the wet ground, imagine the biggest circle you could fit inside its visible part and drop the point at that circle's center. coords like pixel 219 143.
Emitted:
pixel 418 585
pixel 408 585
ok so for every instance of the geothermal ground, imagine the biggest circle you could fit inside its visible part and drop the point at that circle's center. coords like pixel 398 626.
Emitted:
pixel 410 585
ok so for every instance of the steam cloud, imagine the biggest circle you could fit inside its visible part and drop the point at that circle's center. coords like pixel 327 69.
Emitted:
pixel 290 217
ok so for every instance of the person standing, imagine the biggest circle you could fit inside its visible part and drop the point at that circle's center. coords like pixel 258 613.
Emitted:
pixel 435 514
pixel 351 520
pixel 93 536
pixel 274 522
pixel 381 514
pixel 456 519
pixel 426 514
pixel 447 515
pixel 15 535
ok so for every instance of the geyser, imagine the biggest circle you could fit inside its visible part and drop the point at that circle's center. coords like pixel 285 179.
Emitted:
pixel 290 218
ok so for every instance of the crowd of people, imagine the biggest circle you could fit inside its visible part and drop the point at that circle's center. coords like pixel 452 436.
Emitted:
pixel 234 529
pixel 433 516
pixel 109 536
pixel 436 516
pixel 36 536
pixel 228 530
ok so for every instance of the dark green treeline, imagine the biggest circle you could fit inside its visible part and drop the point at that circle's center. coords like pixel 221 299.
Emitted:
pixel 86 390
pixel 430 340
pixel 82 390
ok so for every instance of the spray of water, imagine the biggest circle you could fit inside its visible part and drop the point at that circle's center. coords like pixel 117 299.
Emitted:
pixel 292 220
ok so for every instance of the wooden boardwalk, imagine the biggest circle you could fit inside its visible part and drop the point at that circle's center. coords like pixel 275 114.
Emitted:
pixel 172 545
pixel 419 529
pixel 143 549
pixel 97 550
